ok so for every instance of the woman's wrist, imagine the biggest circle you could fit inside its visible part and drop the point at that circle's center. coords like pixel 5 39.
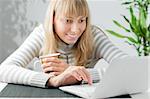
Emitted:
pixel 54 81
pixel 49 81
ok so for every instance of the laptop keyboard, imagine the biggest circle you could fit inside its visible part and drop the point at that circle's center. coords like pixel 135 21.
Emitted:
pixel 94 74
pixel 84 88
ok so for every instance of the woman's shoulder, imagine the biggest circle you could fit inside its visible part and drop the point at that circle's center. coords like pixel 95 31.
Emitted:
pixel 40 29
pixel 37 35
pixel 38 32
pixel 97 30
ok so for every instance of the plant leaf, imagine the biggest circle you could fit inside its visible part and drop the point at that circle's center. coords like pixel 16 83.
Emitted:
pixel 149 27
pixel 119 25
pixel 132 40
pixel 133 28
pixel 142 18
pixel 116 34
pixel 127 20
pixel 126 3
pixel 148 30
pixel 133 18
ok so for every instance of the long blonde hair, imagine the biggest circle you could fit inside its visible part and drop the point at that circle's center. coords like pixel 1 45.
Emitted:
pixel 83 47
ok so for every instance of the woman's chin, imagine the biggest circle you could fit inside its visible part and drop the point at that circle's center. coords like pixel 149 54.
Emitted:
pixel 70 42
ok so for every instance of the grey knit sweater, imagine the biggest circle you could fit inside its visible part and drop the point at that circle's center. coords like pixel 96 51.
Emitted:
pixel 13 69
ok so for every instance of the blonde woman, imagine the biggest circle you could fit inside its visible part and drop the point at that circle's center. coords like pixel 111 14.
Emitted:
pixel 67 30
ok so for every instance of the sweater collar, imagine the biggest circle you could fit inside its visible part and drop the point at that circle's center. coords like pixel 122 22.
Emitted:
pixel 65 47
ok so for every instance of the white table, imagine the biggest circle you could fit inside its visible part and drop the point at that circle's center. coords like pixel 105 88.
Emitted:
pixel 2 86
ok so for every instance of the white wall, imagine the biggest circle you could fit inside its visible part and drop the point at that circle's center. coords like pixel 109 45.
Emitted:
pixel 103 12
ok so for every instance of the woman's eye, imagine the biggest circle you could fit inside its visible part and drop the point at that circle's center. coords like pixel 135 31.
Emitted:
pixel 68 21
pixel 81 21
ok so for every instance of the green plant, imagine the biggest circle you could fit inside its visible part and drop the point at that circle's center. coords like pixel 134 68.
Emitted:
pixel 138 26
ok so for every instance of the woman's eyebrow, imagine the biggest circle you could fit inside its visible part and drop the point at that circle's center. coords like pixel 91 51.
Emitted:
pixel 82 17
pixel 68 17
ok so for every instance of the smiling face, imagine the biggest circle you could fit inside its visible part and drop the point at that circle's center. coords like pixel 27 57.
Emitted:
pixel 69 29
pixel 70 20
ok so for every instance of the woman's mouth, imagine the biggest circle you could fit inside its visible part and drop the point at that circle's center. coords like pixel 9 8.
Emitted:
pixel 72 37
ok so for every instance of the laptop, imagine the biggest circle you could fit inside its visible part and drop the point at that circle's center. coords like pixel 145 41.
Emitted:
pixel 127 75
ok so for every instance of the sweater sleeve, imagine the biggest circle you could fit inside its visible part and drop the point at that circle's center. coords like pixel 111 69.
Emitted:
pixel 104 48
pixel 13 69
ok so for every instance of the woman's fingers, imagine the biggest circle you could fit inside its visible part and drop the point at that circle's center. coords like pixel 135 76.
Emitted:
pixel 89 79
pixel 53 64
pixel 50 64
pixel 53 69
pixel 77 76
pixel 55 73
pixel 80 73
pixel 50 59
pixel 85 75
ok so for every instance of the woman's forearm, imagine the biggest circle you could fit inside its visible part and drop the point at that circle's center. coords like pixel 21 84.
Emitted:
pixel 56 82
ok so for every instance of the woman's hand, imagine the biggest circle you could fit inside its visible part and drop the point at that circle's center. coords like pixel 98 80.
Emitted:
pixel 76 73
pixel 54 65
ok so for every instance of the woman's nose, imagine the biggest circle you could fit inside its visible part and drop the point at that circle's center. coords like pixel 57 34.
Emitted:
pixel 75 28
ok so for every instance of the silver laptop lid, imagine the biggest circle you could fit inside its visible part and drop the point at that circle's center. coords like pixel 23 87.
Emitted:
pixel 124 76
